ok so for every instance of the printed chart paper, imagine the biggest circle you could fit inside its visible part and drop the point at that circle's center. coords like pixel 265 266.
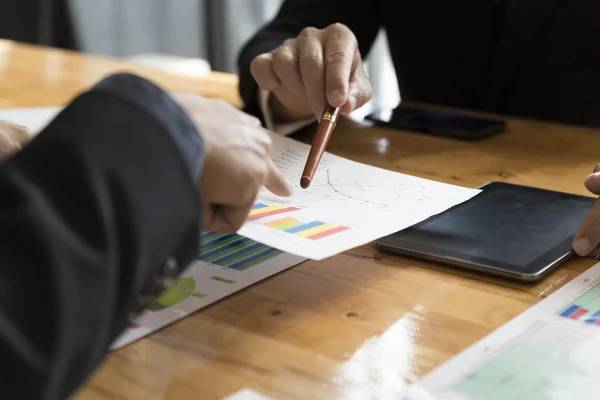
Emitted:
pixel 347 205
pixel 229 263
pixel 550 351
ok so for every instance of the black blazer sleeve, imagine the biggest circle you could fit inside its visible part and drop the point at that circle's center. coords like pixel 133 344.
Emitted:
pixel 90 211
pixel 362 17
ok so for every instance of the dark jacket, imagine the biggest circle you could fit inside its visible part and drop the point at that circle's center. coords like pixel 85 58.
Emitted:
pixel 99 209
pixel 536 58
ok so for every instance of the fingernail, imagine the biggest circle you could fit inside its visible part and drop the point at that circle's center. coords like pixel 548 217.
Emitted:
pixel 582 246
pixel 335 98
pixel 288 188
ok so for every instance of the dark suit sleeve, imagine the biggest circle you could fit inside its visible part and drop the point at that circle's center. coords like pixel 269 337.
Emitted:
pixel 362 17
pixel 91 212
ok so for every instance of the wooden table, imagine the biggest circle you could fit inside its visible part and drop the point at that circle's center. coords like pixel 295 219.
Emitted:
pixel 360 325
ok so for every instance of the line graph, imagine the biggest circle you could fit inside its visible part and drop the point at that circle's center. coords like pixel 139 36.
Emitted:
pixel 333 183
pixel 348 196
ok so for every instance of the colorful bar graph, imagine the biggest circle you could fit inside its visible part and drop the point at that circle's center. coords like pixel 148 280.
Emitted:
pixel 234 251
pixel 311 230
pixel 569 311
pixel 579 313
pixel 594 319
pixel 261 210
pixel 585 308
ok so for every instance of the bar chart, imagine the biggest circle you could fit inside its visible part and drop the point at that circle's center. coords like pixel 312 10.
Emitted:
pixel 585 308
pixel 261 210
pixel 550 361
pixel 234 251
pixel 313 230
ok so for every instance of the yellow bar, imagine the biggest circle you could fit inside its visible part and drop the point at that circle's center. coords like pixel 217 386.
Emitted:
pixel 315 230
pixel 265 210
pixel 276 223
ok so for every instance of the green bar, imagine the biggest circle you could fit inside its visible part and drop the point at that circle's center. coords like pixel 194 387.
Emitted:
pixel 244 255
pixel 220 244
pixel 258 261
pixel 288 225
pixel 229 251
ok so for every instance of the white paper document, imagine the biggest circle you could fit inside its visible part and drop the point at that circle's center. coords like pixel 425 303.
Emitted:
pixel 228 264
pixel 347 205
pixel 549 352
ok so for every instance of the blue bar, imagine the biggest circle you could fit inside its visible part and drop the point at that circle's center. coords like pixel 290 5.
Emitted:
pixel 215 240
pixel 237 253
pixel 569 311
pixel 594 318
pixel 257 256
pixel 220 249
pixel 259 205
pixel 305 227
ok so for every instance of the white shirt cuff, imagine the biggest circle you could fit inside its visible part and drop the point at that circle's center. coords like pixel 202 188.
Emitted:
pixel 284 129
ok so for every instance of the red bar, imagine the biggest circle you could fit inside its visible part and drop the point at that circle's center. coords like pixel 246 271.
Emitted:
pixel 597 322
pixel 321 235
pixel 578 313
pixel 274 212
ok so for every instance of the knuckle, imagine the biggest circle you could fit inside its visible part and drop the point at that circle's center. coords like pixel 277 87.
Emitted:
pixel 338 57
pixel 289 43
pixel 312 57
pixel 338 27
pixel 597 168
pixel 285 61
pixel 308 32
pixel 259 63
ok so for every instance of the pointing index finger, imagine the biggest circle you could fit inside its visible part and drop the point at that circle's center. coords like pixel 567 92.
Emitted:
pixel 340 49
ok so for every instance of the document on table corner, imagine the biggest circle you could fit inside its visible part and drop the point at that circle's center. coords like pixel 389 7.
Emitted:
pixel 347 205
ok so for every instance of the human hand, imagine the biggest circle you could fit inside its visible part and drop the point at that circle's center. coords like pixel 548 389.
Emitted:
pixel 587 237
pixel 318 66
pixel 12 139
pixel 236 162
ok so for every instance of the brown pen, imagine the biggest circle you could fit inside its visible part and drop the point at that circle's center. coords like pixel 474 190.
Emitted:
pixel 324 131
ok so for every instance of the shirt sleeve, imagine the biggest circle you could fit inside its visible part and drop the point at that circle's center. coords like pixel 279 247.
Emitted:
pixel 283 129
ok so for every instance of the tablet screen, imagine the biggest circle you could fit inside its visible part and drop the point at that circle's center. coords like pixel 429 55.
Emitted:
pixel 509 225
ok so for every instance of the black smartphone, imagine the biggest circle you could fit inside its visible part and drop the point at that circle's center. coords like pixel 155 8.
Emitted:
pixel 454 126
pixel 512 231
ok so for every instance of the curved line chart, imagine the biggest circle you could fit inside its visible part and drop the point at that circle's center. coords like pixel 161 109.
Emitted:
pixel 347 195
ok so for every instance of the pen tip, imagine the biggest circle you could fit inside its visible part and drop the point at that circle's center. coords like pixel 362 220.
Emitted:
pixel 305 182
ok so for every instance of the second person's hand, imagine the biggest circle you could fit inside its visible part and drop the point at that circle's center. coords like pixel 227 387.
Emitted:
pixel 319 66
pixel 587 236
pixel 13 138
pixel 236 162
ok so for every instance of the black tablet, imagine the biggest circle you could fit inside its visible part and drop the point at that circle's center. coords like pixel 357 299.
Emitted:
pixel 508 230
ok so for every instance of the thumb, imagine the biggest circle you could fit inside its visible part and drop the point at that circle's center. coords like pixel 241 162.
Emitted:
pixel 592 182
pixel 275 182
pixel 361 90
pixel 587 237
